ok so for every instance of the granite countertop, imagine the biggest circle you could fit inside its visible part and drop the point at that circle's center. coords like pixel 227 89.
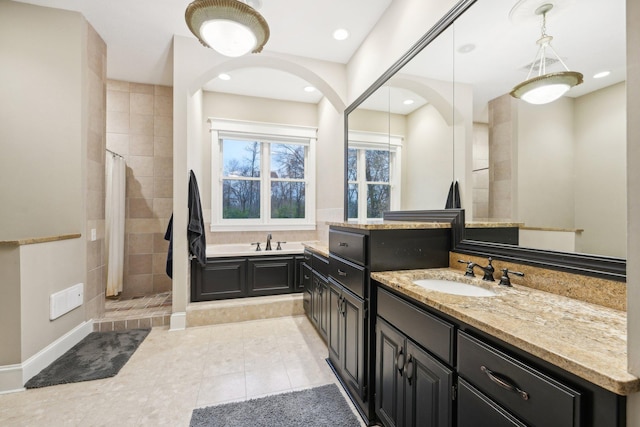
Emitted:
pixel 391 225
pixel 35 240
pixel 492 224
pixel 585 339
pixel 318 247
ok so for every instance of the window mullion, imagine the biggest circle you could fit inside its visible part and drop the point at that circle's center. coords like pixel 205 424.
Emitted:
pixel 265 183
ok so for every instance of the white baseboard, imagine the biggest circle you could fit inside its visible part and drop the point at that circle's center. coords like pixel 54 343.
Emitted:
pixel 178 321
pixel 13 377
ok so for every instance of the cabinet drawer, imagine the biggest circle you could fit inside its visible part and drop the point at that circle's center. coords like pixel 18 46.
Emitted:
pixel 321 265
pixel 476 410
pixel 525 392
pixel 351 276
pixel 432 333
pixel 350 246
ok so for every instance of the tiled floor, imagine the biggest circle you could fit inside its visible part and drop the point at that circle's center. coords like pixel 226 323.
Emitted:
pixel 172 373
pixel 133 313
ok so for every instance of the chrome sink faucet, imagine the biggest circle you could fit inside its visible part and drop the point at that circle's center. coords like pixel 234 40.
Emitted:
pixel 268 247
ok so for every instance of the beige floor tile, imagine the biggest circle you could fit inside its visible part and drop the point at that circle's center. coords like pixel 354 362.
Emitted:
pixel 172 373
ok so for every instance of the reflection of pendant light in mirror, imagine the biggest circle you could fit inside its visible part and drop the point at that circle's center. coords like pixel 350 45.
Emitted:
pixel 231 27
pixel 545 87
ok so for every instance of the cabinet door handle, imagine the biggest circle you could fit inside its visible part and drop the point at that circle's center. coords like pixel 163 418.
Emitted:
pixel 408 369
pixel 504 383
pixel 306 277
pixel 342 273
pixel 344 244
pixel 400 361
pixel 344 306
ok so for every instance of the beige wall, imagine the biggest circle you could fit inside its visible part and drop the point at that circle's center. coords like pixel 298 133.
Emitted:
pixel 10 321
pixel 47 268
pixel 480 173
pixel 139 127
pixel 95 107
pixel 600 179
pixel 41 140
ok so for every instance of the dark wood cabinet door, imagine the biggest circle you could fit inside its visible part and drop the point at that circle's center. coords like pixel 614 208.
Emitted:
pixel 323 300
pixel 335 338
pixel 353 366
pixel 316 304
pixel 477 410
pixel 307 296
pixel 269 276
pixel 428 387
pixel 298 285
pixel 218 280
pixel 390 360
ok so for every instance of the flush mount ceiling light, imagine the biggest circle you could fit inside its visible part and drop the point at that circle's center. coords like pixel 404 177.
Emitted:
pixel 545 87
pixel 231 27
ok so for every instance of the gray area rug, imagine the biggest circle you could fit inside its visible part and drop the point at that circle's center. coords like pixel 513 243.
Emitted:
pixel 98 355
pixel 317 407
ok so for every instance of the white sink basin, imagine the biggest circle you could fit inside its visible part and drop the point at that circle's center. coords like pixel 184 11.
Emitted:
pixel 455 288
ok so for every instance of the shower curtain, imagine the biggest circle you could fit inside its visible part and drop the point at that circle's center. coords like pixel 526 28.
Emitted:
pixel 114 223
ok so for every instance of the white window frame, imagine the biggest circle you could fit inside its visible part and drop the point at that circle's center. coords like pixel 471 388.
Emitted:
pixel 264 133
pixel 362 141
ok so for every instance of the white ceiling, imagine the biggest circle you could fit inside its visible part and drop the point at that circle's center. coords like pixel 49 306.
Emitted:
pixel 588 34
pixel 138 33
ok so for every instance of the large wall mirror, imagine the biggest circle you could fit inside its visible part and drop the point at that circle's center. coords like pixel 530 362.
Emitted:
pixel 443 114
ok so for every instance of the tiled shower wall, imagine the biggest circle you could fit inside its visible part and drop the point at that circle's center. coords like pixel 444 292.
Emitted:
pixel 97 83
pixel 140 128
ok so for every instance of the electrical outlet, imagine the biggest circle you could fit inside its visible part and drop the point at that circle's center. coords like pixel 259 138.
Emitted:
pixel 93 235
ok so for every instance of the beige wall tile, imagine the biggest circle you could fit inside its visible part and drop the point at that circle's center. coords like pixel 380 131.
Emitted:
pixel 95 176
pixel 118 101
pixel 140 243
pixel 159 263
pixel 118 142
pixel 142 103
pixel 141 145
pixel 118 85
pixel 117 122
pixel 139 187
pixel 163 166
pixel 141 88
pixel 159 244
pixel 95 146
pixel 162 207
pixel 163 126
pixel 95 204
pixel 163 90
pixel 162 187
pixel 140 208
pixel 163 106
pixel 140 264
pixel 141 165
pixel 163 146
pixel 161 282
pixel 138 284
pixel 94 254
pixel 141 124
pixel 146 225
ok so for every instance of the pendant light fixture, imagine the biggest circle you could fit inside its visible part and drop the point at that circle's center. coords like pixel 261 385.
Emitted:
pixel 230 27
pixel 545 87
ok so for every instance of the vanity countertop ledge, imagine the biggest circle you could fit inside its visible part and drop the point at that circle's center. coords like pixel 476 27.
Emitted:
pixel 585 339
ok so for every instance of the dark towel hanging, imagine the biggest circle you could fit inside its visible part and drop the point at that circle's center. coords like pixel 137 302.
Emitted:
pixel 453 198
pixel 168 235
pixel 195 230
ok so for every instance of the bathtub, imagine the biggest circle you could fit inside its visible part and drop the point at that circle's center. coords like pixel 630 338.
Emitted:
pixel 246 249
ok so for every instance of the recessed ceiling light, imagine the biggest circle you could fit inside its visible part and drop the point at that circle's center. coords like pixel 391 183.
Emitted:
pixel 407 101
pixel 601 74
pixel 224 76
pixel 309 89
pixel 341 34
pixel 466 48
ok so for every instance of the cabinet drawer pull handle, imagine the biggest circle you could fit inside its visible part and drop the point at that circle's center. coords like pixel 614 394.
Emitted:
pixel 343 244
pixel 306 277
pixel 400 361
pixel 342 273
pixel 504 383
pixel 408 369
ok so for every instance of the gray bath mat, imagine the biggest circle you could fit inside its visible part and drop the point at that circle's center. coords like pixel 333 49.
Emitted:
pixel 98 355
pixel 317 407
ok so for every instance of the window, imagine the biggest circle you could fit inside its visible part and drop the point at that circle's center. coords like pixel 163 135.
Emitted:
pixel 263 176
pixel 373 175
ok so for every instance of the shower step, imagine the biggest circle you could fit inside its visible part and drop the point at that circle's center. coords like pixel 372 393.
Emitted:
pixel 243 309
pixel 133 313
